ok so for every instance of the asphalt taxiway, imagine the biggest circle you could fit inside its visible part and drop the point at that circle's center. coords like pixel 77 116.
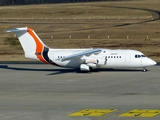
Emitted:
pixel 44 92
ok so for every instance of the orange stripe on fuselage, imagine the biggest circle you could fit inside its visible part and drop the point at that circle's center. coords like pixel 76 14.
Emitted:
pixel 39 46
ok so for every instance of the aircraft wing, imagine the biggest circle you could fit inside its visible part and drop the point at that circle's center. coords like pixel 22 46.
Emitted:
pixel 78 55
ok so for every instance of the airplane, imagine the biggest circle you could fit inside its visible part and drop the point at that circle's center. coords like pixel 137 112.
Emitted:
pixel 83 59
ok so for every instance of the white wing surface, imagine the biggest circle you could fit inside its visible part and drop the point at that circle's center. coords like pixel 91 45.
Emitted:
pixel 79 55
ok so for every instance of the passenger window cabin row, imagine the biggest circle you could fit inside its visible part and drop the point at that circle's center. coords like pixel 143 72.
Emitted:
pixel 113 56
pixel 136 56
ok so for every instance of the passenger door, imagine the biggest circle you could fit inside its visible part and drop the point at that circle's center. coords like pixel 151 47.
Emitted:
pixel 128 58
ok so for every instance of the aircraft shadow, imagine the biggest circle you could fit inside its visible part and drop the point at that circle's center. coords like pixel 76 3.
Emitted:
pixel 56 71
pixel 69 70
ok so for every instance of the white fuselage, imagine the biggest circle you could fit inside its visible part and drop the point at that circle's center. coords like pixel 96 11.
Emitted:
pixel 105 59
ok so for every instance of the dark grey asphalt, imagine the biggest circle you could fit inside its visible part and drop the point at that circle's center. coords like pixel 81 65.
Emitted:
pixel 44 92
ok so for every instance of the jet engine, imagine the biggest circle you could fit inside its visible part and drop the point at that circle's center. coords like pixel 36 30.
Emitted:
pixel 96 62
pixel 92 63
pixel 84 67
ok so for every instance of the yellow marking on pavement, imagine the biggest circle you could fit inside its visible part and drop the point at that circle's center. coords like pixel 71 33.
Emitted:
pixel 92 112
pixel 141 113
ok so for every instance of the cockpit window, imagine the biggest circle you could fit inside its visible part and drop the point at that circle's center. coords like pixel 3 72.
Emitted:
pixel 135 56
pixel 143 55
pixel 138 56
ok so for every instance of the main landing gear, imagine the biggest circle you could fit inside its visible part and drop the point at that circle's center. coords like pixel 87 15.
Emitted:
pixel 144 70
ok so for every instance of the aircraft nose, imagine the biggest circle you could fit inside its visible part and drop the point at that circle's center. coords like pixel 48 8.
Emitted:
pixel 149 62
pixel 152 62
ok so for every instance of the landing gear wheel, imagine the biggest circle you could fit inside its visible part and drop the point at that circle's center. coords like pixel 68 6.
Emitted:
pixel 93 69
pixel 144 70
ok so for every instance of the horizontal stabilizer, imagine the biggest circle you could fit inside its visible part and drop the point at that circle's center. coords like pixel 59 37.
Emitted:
pixel 17 30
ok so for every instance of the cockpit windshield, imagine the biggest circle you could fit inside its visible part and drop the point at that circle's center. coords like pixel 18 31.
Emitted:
pixel 143 56
pixel 138 56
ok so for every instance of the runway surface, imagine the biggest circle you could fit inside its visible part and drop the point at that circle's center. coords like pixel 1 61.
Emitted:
pixel 44 92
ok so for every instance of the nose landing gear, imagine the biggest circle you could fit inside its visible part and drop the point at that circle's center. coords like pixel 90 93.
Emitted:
pixel 144 70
